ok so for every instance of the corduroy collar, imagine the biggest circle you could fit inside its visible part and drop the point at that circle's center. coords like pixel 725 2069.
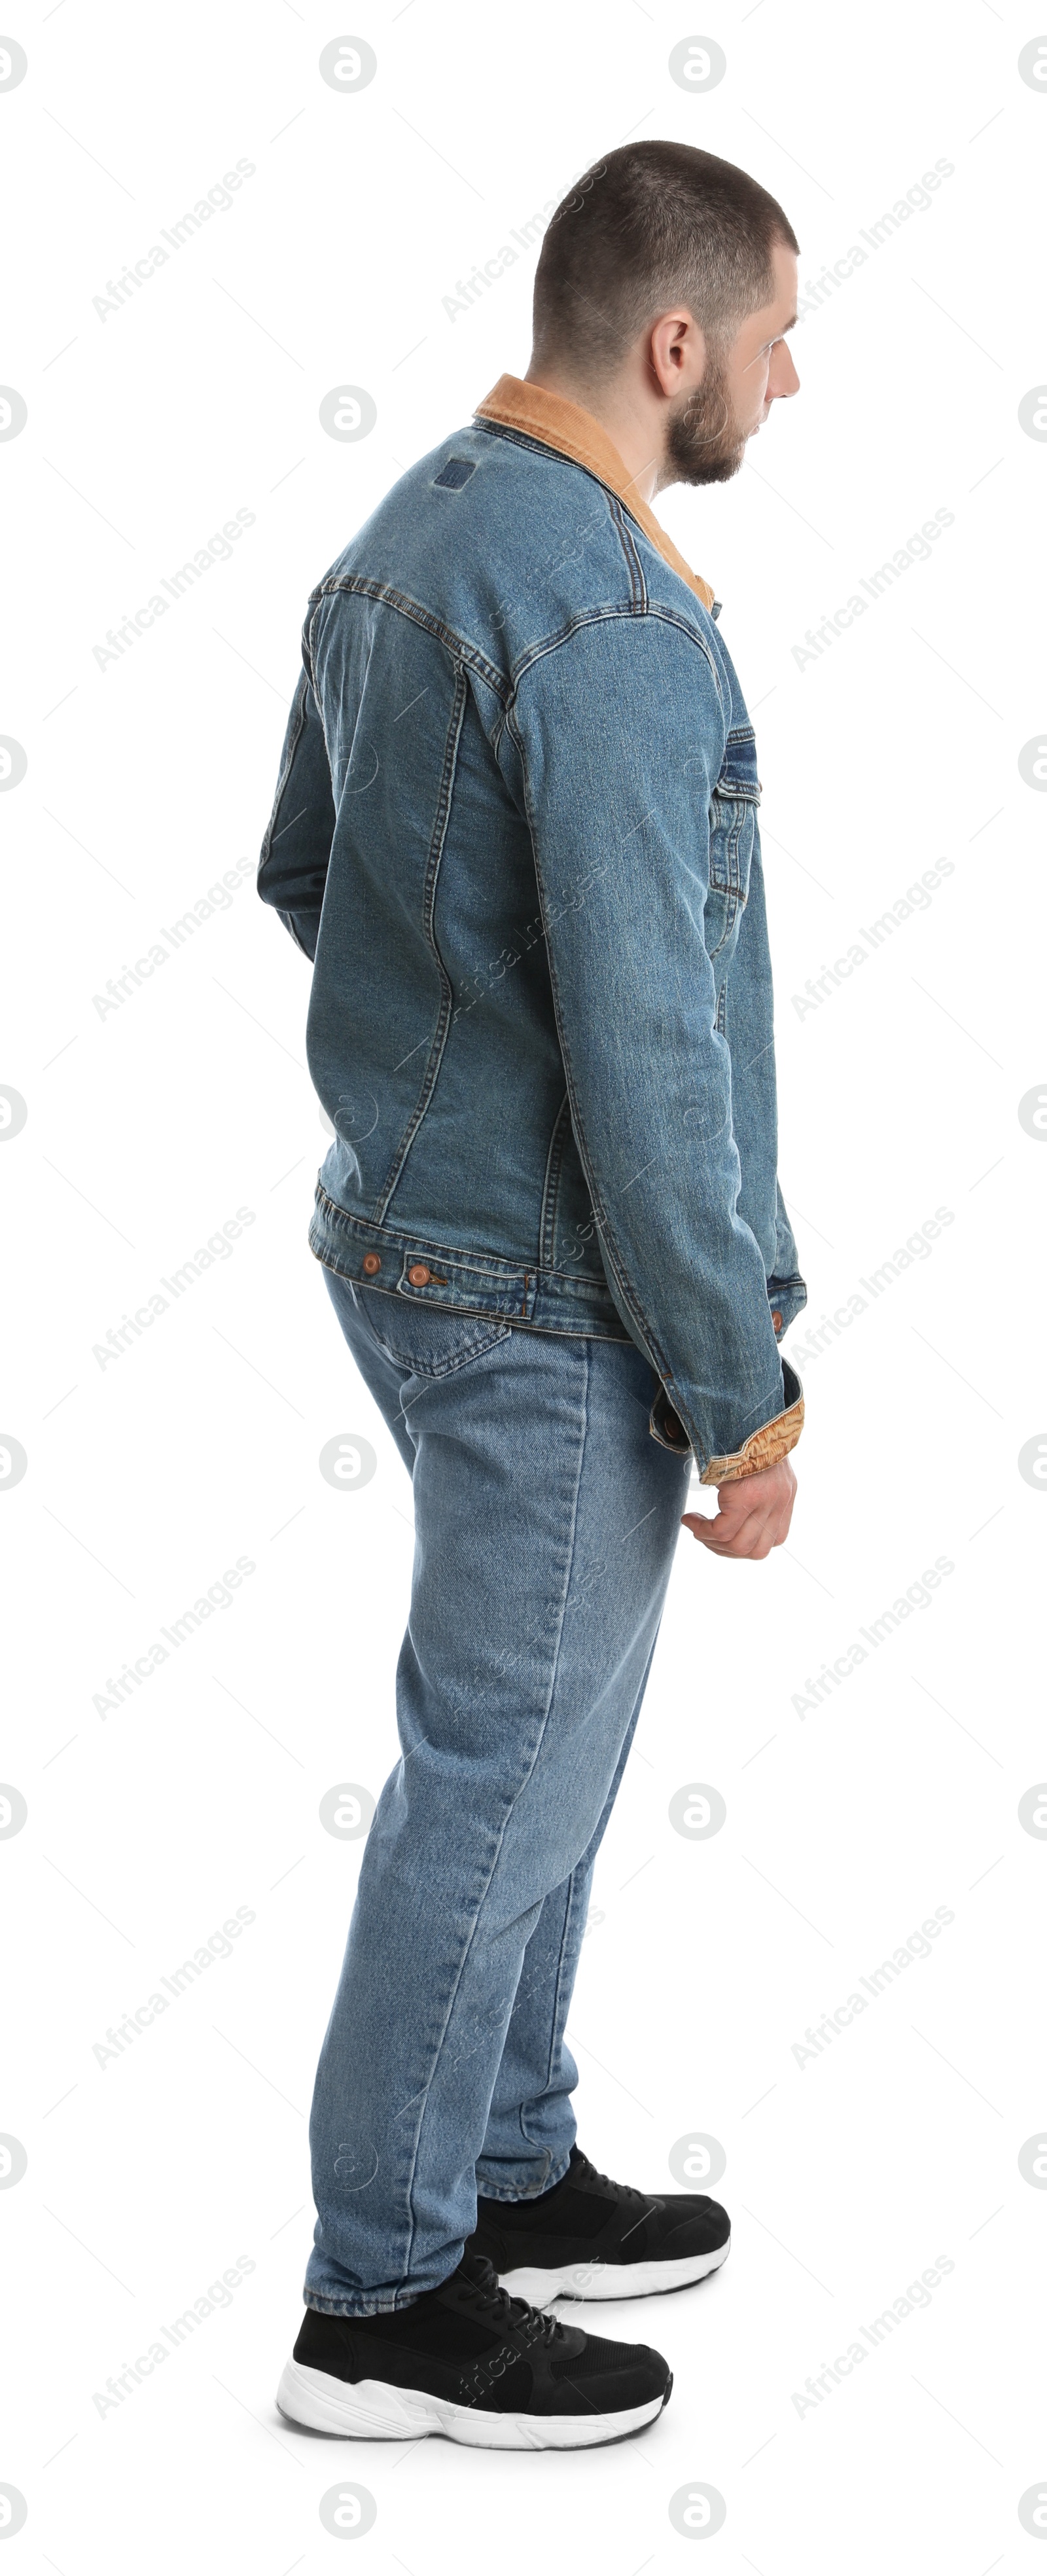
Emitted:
pixel 573 432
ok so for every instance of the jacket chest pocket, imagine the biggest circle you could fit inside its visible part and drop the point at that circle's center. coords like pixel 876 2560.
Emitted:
pixel 732 831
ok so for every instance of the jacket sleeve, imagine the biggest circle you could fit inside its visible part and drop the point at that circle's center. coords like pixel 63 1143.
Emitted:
pixel 292 869
pixel 619 733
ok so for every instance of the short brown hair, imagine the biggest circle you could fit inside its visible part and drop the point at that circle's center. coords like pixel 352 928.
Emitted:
pixel 651 225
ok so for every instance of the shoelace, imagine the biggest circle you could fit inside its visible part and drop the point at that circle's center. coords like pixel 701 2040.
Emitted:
pixel 625 2190
pixel 498 2307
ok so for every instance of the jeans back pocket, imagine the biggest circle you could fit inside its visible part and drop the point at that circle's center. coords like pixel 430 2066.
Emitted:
pixel 424 1341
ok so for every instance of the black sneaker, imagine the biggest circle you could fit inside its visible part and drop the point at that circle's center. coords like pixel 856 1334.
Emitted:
pixel 469 2361
pixel 589 2238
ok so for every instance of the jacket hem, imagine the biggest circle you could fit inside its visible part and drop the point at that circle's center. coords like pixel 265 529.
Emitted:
pixel 471 1282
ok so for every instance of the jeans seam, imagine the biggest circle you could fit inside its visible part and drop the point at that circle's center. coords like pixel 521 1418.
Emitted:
pixel 559 1973
pixel 463 1962
pixel 453 1368
pixel 385 2307
pixel 514 2199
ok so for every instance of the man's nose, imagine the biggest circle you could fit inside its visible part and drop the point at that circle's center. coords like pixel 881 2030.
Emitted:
pixel 782 378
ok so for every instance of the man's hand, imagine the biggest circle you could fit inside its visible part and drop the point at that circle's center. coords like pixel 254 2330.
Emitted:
pixel 754 1514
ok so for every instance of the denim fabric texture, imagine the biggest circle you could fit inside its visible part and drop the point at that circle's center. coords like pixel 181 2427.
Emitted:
pixel 516 829
pixel 545 1523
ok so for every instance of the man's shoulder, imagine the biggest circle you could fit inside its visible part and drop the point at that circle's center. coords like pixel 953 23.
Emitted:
pixel 507 540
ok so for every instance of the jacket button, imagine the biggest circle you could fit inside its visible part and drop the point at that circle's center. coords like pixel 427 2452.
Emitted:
pixel 776 1319
pixel 372 1262
pixel 672 1426
pixel 418 1275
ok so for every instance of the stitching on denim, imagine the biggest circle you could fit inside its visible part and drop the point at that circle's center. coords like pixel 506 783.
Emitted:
pixel 631 553
pixel 590 1331
pixel 734 903
pixel 551 1188
pixel 433 1305
pixel 598 617
pixel 536 446
pixel 385 593
pixel 501 1274
pixel 452 1368
pixel 726 874
pixel 386 597
pixel 309 650
pixel 322 2307
pixel 443 1022
pixel 497 1332
pixel 516 2199
pixel 556 2035
pixel 558 456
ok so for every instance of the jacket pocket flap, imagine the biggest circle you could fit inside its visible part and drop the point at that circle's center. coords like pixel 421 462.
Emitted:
pixel 738 771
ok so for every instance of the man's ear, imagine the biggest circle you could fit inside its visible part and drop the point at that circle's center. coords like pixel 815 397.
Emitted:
pixel 676 351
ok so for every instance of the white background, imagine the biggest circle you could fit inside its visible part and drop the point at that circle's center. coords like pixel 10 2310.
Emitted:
pixel 149 1126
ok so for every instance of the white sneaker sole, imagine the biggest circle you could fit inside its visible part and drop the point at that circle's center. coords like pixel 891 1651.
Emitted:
pixel 371 2410
pixel 610 2280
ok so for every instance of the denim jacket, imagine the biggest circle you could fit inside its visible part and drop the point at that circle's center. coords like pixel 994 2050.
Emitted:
pixel 515 829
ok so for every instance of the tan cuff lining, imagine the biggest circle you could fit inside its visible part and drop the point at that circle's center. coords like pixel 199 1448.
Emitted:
pixel 763 1449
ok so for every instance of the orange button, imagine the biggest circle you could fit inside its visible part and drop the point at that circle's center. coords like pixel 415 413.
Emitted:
pixel 418 1275
pixel 372 1262
pixel 776 1319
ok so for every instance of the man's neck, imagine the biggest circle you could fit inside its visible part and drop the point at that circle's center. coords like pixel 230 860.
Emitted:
pixel 625 417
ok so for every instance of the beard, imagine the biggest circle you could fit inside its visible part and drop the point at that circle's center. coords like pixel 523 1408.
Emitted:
pixel 704 442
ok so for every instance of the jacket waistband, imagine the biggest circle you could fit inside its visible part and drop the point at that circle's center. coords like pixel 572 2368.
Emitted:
pixel 429 1273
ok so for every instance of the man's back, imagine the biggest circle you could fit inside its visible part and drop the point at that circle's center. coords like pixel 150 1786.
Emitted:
pixel 521 783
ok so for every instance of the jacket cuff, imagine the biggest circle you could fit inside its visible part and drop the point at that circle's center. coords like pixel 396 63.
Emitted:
pixel 762 1449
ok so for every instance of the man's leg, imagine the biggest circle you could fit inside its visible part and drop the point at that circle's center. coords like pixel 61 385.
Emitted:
pixel 546 1519
pixel 530 2118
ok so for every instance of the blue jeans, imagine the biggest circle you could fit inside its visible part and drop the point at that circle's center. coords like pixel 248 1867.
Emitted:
pixel 545 1522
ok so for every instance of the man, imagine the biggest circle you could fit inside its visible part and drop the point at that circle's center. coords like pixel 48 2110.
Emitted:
pixel 515 828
